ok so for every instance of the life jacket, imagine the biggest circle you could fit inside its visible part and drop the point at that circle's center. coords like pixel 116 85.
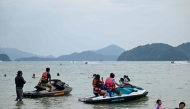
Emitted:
pixel 109 84
pixel 44 77
pixel 97 88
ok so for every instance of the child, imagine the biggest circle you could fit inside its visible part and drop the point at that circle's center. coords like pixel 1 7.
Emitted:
pixel 122 83
pixel 159 104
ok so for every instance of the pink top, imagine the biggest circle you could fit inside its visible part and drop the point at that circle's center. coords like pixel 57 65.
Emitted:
pixel 158 107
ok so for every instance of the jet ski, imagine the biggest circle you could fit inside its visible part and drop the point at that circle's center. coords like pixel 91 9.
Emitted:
pixel 60 88
pixel 129 93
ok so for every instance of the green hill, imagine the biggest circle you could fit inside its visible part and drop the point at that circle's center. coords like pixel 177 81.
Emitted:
pixel 153 52
pixel 185 48
pixel 110 50
pixel 4 57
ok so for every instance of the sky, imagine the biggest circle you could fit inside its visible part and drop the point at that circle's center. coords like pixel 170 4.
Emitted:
pixel 60 27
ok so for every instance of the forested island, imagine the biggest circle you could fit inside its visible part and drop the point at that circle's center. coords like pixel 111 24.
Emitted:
pixel 4 57
pixel 157 52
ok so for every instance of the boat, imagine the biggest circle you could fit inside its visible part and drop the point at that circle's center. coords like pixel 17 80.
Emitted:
pixel 129 93
pixel 60 88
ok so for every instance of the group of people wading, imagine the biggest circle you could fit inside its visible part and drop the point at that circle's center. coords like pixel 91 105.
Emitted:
pixel 101 88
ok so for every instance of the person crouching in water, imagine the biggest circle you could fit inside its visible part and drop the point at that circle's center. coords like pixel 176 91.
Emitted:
pixel 46 79
pixel 97 89
pixel 110 85
pixel 33 76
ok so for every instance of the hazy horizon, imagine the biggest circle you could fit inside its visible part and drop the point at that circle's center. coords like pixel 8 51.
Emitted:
pixel 46 27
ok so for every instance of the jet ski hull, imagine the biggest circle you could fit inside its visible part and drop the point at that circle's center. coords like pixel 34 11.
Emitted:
pixel 60 89
pixel 136 93
pixel 45 93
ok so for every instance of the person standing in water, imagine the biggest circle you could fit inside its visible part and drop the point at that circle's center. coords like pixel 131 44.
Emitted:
pixel 19 81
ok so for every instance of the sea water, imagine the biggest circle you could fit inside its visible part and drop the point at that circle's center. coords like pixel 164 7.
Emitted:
pixel 163 80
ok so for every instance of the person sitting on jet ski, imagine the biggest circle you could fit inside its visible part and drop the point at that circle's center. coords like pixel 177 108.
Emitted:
pixel 122 83
pixel 98 85
pixel 126 78
pixel 110 84
pixel 46 79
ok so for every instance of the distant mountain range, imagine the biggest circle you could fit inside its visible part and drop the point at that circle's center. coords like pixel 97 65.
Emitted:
pixel 15 53
pixel 110 50
pixel 109 53
pixel 157 52
pixel 149 52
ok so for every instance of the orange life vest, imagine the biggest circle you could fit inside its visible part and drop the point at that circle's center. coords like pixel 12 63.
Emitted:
pixel 44 77
pixel 97 88
pixel 109 83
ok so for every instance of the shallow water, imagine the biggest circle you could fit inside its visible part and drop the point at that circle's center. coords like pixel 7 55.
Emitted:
pixel 165 81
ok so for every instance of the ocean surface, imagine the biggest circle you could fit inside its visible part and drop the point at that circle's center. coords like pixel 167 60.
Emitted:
pixel 163 80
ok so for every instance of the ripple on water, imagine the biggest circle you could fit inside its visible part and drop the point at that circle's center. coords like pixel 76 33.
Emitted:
pixel 179 88
pixel 148 83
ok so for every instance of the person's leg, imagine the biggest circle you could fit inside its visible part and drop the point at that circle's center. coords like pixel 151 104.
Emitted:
pixel 104 93
pixel 20 94
pixel 16 95
pixel 49 85
pixel 117 92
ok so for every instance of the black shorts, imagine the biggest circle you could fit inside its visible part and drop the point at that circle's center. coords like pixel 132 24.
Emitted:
pixel 115 91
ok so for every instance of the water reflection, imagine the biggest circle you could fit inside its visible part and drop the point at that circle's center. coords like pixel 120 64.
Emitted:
pixel 46 102
pixel 19 104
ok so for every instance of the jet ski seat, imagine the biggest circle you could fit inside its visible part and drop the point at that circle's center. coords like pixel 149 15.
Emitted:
pixel 60 85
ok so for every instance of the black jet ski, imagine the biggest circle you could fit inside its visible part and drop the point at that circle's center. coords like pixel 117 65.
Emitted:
pixel 129 93
pixel 60 88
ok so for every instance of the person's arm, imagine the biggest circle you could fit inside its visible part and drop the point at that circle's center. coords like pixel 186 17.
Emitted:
pixel 129 79
pixel 23 81
pixel 94 82
pixel 102 80
pixel 126 83
pixel 116 83
pixel 49 77
pixel 39 81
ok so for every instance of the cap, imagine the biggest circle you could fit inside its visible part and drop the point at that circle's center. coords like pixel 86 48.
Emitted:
pixel 19 72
